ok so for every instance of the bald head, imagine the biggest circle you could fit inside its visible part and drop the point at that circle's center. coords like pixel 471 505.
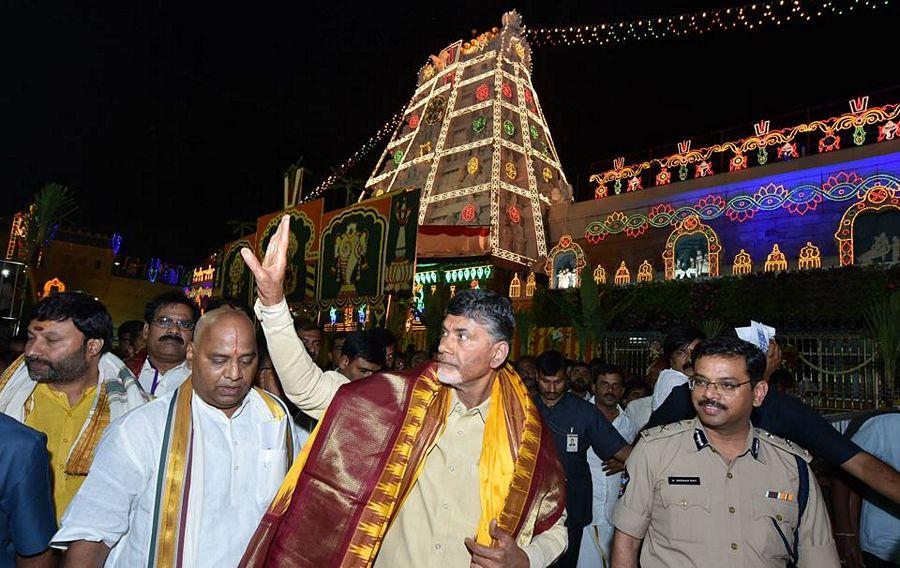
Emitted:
pixel 223 358
pixel 224 315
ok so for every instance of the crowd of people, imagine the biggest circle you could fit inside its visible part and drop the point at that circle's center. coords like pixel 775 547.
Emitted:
pixel 211 441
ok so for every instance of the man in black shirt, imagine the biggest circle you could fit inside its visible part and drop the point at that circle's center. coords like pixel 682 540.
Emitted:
pixel 575 425
pixel 787 417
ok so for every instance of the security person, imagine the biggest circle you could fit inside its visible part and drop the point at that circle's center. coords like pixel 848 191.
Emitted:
pixel 714 491
pixel 576 426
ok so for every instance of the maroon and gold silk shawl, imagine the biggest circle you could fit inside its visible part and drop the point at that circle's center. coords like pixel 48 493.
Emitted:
pixel 354 473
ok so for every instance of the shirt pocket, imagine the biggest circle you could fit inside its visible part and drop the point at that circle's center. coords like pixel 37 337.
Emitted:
pixel 687 512
pixel 768 514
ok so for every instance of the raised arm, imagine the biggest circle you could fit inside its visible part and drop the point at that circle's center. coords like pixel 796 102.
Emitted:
pixel 303 381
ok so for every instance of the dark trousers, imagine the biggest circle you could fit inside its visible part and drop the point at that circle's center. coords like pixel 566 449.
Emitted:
pixel 873 561
pixel 569 559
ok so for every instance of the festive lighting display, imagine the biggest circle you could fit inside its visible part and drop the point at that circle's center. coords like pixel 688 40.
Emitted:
pixel 810 257
pixel 387 128
pixel 515 287
pixel 115 243
pixel 600 275
pixel 701 22
pixel 799 200
pixel 874 198
pixel 623 275
pixel 645 272
pixel 692 226
pixel 530 285
pixel 473 165
pixel 566 247
pixel 776 261
pixel 468 213
pixel 742 264
pixel 783 140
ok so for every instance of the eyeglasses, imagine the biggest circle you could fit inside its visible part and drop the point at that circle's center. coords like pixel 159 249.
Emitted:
pixel 166 322
pixel 726 388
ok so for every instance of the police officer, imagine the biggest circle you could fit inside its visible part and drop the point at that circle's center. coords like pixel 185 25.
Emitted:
pixel 576 425
pixel 714 491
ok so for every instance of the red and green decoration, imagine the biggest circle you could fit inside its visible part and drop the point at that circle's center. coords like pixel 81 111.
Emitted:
pixel 782 141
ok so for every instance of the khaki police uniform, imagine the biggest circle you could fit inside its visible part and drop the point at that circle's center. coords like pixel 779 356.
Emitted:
pixel 693 509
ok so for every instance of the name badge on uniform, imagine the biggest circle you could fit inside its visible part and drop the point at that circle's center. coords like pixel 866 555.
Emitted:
pixel 571 442
pixel 681 480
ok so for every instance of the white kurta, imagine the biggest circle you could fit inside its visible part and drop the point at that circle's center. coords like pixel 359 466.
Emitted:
pixel 597 538
pixel 166 382
pixel 239 466
pixel 668 380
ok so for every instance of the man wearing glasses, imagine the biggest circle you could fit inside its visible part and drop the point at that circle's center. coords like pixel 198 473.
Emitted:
pixel 714 491
pixel 169 327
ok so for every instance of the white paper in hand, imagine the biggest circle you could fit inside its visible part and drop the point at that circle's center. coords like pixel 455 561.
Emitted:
pixel 757 333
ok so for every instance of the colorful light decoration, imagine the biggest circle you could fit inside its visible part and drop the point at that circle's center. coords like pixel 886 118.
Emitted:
pixel 468 213
pixel 482 92
pixel 776 261
pixel 645 272
pixel 473 165
pixel 703 169
pixel 634 184
pixel 506 90
pixel 701 22
pixel 153 269
pixel 810 257
pixel 566 246
pixel 510 170
pixel 530 285
pixel 515 286
pixel 532 129
pixel 547 174
pixel 782 140
pixel 877 197
pixel 743 264
pixel 599 275
pixel 840 187
pixel 737 163
pixel 623 275
pixel 509 128
pixel 53 286
pixel 692 226
pixel 479 124
pixel 514 215
pixel 116 243
pixel 398 157
pixel 434 112
pixel 414 121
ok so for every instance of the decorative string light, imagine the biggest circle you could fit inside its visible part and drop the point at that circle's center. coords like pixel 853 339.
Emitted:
pixel 749 16
pixel 387 128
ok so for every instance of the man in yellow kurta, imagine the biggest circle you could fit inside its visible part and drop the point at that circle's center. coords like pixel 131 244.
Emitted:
pixel 68 386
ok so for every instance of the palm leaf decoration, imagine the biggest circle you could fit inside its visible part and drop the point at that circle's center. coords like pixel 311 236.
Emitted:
pixel 883 322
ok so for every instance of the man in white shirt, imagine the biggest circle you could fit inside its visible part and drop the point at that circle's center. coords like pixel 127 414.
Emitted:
pixel 168 328
pixel 609 388
pixel 677 348
pixel 879 526
pixel 186 480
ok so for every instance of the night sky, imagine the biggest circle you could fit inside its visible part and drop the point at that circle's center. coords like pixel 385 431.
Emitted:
pixel 169 119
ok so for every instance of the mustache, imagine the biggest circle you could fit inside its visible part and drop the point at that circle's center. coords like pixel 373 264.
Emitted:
pixel 707 401
pixel 173 338
pixel 33 360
